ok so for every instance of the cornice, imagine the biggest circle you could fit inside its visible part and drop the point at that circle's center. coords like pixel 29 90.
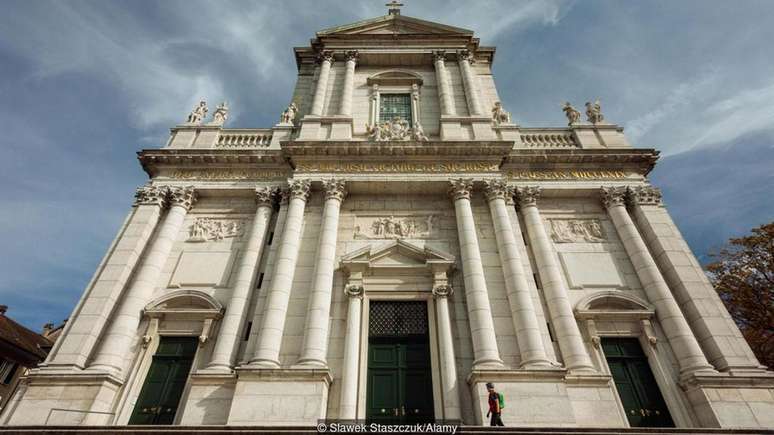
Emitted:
pixel 397 148
pixel 641 159
pixel 151 159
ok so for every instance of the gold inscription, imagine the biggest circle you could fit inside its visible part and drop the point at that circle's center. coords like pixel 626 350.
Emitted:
pixel 567 175
pixel 227 174
pixel 428 167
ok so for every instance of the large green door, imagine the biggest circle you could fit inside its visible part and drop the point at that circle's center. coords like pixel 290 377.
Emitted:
pixel 160 394
pixel 400 387
pixel 637 388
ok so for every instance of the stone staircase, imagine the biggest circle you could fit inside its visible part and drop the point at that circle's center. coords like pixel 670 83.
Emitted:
pixel 304 430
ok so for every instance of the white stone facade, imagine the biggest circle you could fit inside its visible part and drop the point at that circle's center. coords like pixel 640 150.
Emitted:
pixel 529 245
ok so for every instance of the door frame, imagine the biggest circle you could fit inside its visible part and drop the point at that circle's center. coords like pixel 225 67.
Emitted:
pixel 435 374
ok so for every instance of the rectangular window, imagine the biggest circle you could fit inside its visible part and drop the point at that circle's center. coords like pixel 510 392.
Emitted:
pixel 7 369
pixel 394 105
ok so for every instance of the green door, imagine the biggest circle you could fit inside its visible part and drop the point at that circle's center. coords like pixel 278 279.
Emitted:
pixel 400 387
pixel 160 394
pixel 637 388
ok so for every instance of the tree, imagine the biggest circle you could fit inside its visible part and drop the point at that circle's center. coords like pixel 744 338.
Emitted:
pixel 743 276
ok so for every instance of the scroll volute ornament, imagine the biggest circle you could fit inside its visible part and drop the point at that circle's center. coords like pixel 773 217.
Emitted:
pixel 645 195
pixel 442 291
pixel 334 188
pixel 460 188
pixel 182 196
pixel 613 196
pixel 528 195
pixel 498 189
pixel 354 290
pixel 151 195
pixel 299 188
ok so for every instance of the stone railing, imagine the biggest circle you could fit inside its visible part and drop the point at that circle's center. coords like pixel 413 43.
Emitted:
pixel 548 138
pixel 247 138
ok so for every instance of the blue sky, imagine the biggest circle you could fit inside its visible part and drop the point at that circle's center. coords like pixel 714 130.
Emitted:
pixel 85 84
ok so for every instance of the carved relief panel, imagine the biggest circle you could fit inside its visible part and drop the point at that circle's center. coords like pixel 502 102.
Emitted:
pixel 210 229
pixel 395 227
pixel 576 231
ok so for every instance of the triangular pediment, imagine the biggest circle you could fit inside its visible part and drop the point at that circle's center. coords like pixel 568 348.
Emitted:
pixel 395 24
pixel 397 254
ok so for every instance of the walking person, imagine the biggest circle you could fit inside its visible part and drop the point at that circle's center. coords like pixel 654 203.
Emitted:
pixel 496 405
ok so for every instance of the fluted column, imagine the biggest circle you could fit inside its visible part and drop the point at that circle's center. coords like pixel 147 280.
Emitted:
pixel 350 365
pixel 531 349
pixel 228 337
pixel 315 345
pixel 482 330
pixel 122 332
pixel 568 334
pixel 326 60
pixel 345 107
pixel 470 83
pixel 444 89
pixel 275 311
pixel 82 331
pixel 451 400
pixel 684 345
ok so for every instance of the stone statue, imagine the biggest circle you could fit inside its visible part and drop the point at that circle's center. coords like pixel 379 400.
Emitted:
pixel 499 115
pixel 572 114
pixel 220 115
pixel 198 113
pixel 594 112
pixel 289 115
pixel 418 133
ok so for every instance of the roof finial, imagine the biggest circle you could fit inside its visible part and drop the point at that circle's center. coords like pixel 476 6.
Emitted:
pixel 394 7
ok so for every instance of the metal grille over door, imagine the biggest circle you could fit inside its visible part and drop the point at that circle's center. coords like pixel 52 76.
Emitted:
pixel 397 319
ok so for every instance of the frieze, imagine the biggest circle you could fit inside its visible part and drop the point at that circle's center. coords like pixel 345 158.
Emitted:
pixel 422 167
pixel 391 227
pixel 209 229
pixel 567 175
pixel 577 231
pixel 227 174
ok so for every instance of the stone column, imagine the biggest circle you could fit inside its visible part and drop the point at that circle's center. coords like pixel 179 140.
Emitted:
pixel 345 107
pixel 568 334
pixel 228 337
pixel 470 83
pixel 121 334
pixel 451 401
pixel 531 349
pixel 684 345
pixel 482 330
pixel 104 291
pixel 315 346
pixel 326 60
pixel 273 323
pixel 350 367
pixel 444 89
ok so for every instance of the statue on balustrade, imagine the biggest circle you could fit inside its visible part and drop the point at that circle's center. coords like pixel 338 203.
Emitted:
pixel 499 115
pixel 594 112
pixel 289 115
pixel 572 114
pixel 198 113
pixel 220 115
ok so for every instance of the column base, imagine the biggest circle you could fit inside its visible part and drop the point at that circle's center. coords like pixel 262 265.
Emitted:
pixel 209 398
pixel 277 397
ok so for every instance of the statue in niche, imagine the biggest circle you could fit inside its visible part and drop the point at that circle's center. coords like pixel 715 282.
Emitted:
pixel 594 112
pixel 288 116
pixel 220 115
pixel 499 115
pixel 572 114
pixel 198 113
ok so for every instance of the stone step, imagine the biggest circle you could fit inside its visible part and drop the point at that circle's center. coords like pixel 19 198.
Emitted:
pixel 305 430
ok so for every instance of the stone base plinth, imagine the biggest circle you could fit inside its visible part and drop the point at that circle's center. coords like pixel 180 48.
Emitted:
pixel 72 398
pixel 279 397
pixel 209 399
pixel 732 401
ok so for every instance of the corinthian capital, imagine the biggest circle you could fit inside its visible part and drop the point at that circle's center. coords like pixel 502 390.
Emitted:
pixel 439 56
pixel 334 189
pixel 351 55
pixel 498 189
pixel 299 188
pixel 528 195
pixel 264 196
pixel 325 56
pixel 182 196
pixel 151 195
pixel 613 196
pixel 460 188
pixel 465 55
pixel 645 195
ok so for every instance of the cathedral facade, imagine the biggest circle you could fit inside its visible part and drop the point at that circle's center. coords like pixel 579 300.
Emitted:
pixel 394 243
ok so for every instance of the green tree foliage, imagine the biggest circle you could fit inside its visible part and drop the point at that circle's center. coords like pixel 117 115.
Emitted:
pixel 743 276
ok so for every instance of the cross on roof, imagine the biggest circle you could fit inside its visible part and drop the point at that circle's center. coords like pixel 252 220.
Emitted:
pixel 394 7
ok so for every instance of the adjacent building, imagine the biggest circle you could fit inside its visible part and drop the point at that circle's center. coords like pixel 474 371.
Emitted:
pixel 392 244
